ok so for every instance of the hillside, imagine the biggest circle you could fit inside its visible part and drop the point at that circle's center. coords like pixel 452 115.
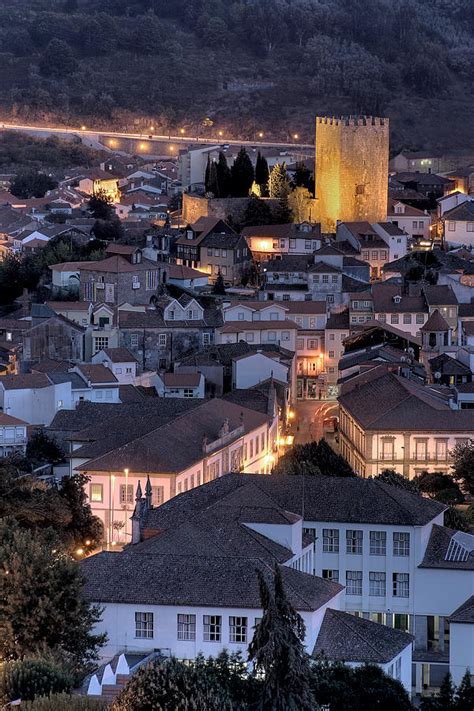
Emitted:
pixel 248 65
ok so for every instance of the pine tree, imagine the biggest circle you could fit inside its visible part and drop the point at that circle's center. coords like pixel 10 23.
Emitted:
pixel 207 174
pixel 262 174
pixel 279 183
pixel 277 651
pixel 213 186
pixel 219 287
pixel 302 177
pixel 224 179
pixel 242 174
pixel 464 697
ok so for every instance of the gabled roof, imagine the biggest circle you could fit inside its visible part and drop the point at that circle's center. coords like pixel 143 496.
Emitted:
pixel 449 549
pixel 464 614
pixel 463 212
pixel 25 381
pixel 117 264
pixel 8 420
pixel 181 380
pixel 66 267
pixel 97 373
pixel 347 638
pixel 440 295
pixel 119 355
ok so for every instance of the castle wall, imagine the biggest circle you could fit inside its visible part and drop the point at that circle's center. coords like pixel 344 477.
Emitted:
pixel 351 170
pixel 195 206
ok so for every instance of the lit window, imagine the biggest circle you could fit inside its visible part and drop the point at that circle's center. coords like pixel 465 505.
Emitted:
pixel 144 625
pixel 96 493
pixel 126 494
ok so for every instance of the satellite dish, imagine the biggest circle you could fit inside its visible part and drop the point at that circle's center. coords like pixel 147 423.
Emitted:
pixel 437 375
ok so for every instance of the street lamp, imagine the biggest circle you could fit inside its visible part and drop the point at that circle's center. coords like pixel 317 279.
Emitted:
pixel 260 134
pixel 296 136
pixel 181 130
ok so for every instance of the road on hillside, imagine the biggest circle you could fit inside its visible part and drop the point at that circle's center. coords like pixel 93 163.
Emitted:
pixel 308 422
pixel 144 136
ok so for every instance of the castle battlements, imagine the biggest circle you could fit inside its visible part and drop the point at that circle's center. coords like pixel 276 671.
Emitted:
pixel 352 120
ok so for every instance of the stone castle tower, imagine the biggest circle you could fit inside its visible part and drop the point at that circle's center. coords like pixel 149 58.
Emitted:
pixel 351 170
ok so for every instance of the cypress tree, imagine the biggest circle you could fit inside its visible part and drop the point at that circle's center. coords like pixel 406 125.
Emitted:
pixel 277 651
pixel 262 174
pixel 213 186
pixel 279 183
pixel 464 697
pixel 223 176
pixel 242 174
pixel 207 174
pixel 219 286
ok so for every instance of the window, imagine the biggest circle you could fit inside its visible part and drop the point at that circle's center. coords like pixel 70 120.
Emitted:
pixel 470 227
pixel 401 585
pixel 100 343
pixel 60 403
pixel 241 316
pixel 212 628
pixel 330 540
pixel 325 278
pixel 415 224
pixel 9 336
pixel 237 629
pixel 249 337
pixel 188 392
pixel 375 254
pixel 224 271
pixel 162 340
pixel 285 335
pixel 394 318
pixel 378 543
pixel 398 669
pixel 134 340
pixel 354 542
pixel 96 493
pixel 151 280
pixel 406 318
pixel 331 354
pixel 307 244
pixel 331 336
pixel 217 252
pixel 441 450
pixel 157 495
pixel 312 345
pixel 401 543
pixel 273 315
pixel 171 315
pixel 377 584
pixel 186 627
pixel 316 278
pixel 353 582
pixel 420 318
pixel 144 625
pixel 451 226
pixel 272 335
pixel 292 244
pixel 262 441
pixel 387 449
pixel 135 280
pixel 420 450
pixel 251 449
pixel 126 494
pixel 209 252
pixel 331 575
pixel 118 371
pixel 257 445
pixel 206 339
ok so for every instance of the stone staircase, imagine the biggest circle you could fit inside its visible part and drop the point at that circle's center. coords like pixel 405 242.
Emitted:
pixel 110 678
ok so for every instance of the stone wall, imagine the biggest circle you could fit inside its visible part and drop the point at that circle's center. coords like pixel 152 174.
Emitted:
pixel 195 206
pixel 351 170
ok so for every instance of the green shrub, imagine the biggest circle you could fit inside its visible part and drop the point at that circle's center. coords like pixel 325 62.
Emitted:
pixel 26 679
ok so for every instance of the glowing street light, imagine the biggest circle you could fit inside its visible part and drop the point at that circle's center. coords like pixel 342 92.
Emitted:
pixel 83 128
pixel 221 133
pixel 296 136
pixel 171 149
pixel 181 130
pixel 260 134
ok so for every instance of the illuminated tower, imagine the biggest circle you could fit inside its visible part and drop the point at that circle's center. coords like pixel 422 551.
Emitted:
pixel 351 170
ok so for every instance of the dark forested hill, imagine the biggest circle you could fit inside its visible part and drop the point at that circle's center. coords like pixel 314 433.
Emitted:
pixel 248 65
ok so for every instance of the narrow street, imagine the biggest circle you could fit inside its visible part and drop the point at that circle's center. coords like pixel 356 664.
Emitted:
pixel 308 422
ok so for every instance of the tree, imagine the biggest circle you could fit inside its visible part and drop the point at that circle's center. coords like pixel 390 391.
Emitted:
pixel 299 202
pixel 257 212
pixel 444 701
pixel 224 178
pixel 219 287
pixel 31 184
pixel 64 702
pixel 390 476
pixel 302 176
pixel 108 230
pixel 367 686
pixel 283 214
pixel 41 577
pixel 57 60
pixel 242 174
pixel 464 696
pixel 212 180
pixel 85 531
pixel 463 466
pixel 277 650
pixel 100 204
pixel 453 518
pixel 279 182
pixel 42 448
pixel 441 487
pixel 262 174
pixel 207 174
pixel 318 455
pixel 26 679
pixel 170 685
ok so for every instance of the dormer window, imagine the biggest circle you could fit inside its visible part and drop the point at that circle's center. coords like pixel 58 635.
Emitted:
pixel 399 209
pixel 397 298
pixel 189 234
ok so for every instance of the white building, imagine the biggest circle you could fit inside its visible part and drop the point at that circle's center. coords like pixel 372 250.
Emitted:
pixel 182 385
pixel 459 224
pixel 13 435
pixel 198 591
pixel 413 221
pixel 120 362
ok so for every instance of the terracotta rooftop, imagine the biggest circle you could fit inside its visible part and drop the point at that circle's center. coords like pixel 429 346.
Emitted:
pixel 97 373
pixel 181 380
pixel 435 323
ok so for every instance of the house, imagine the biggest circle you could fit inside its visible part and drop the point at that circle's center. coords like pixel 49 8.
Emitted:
pixel 103 331
pixel 186 277
pixel 120 361
pixel 431 185
pixel 390 422
pixel 404 311
pixel 273 241
pixel 376 243
pixel 78 311
pixel 178 384
pixel 51 335
pixel 124 276
pixel 100 381
pixel 463 179
pixel 179 451
pixel 96 181
pixel 213 247
pixel 13 435
pixel 160 335
pixel 66 276
pixel 252 368
pixel 12 222
pixel 256 323
pixel 337 329
pixel 411 220
pixel 458 224
pixel 401 568
pixel 33 397
pixel 418 161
